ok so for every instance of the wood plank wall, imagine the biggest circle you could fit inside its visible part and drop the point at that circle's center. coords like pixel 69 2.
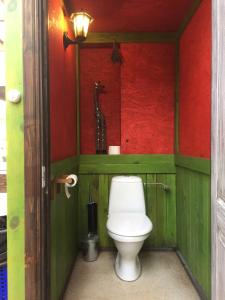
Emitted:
pixel 194 225
pixel 64 226
pixel 182 223
pixel 160 205
pixel 193 196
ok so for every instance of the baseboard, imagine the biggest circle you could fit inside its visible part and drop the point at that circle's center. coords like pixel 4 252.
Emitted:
pixel 143 249
pixel 166 249
pixel 192 278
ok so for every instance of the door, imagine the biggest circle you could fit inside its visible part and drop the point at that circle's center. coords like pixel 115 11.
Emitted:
pixel 218 151
pixel 27 148
pixel 3 195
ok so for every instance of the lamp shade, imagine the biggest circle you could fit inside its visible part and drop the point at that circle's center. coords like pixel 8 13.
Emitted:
pixel 81 21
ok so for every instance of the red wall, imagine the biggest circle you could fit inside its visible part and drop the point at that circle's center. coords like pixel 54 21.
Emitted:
pixel 195 84
pixel 147 98
pixel 96 65
pixel 139 100
pixel 62 87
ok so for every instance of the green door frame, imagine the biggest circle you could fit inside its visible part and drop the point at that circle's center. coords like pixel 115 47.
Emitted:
pixel 28 150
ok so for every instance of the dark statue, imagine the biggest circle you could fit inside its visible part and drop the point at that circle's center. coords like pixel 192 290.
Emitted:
pixel 100 120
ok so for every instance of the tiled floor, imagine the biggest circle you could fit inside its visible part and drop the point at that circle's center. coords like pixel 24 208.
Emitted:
pixel 163 278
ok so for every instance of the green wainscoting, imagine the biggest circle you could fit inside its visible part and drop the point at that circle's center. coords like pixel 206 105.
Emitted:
pixel 160 205
pixel 193 219
pixel 198 164
pixel 64 228
pixel 129 164
pixel 180 217
pixel 161 208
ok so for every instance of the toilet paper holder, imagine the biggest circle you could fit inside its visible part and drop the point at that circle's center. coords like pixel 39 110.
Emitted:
pixel 63 180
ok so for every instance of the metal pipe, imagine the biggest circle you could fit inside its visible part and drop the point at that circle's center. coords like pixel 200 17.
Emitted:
pixel 164 186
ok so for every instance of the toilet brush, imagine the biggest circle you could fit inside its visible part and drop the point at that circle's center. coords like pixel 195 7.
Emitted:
pixel 92 217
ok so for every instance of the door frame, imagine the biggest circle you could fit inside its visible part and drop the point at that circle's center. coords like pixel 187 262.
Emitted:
pixel 37 149
pixel 37 146
pixel 217 52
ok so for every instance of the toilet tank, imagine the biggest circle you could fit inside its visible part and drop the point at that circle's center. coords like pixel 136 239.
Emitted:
pixel 126 195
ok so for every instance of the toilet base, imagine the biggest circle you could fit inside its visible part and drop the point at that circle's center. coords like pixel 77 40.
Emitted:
pixel 127 269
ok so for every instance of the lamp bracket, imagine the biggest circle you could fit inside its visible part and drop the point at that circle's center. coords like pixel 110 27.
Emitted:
pixel 67 41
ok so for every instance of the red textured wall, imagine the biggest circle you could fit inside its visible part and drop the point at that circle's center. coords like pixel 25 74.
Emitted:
pixel 96 64
pixel 62 87
pixel 134 15
pixel 195 84
pixel 147 98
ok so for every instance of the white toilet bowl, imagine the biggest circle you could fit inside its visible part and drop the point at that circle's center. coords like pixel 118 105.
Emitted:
pixel 127 224
pixel 127 264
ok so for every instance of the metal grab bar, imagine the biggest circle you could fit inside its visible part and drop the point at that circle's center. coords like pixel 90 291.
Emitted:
pixel 165 187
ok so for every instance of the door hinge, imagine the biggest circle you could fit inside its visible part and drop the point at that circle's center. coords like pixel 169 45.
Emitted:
pixel 43 177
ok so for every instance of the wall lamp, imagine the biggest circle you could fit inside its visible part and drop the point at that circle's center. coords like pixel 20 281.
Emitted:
pixel 81 21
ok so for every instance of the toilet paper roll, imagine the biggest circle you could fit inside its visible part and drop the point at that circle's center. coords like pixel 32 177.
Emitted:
pixel 70 185
pixel 114 150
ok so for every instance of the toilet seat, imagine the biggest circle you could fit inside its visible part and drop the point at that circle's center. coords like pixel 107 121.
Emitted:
pixel 128 239
pixel 129 224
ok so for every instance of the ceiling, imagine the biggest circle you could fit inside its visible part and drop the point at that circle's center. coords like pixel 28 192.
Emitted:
pixel 133 15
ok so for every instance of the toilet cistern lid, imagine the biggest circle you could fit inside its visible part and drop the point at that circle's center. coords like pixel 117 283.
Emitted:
pixel 129 224
pixel 129 179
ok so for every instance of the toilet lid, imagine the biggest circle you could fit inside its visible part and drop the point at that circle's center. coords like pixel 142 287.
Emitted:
pixel 129 224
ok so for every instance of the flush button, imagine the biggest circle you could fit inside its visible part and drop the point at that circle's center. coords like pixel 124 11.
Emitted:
pixel 14 96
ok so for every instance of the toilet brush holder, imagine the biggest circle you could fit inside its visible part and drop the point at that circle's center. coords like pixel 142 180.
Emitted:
pixel 91 248
pixel 90 245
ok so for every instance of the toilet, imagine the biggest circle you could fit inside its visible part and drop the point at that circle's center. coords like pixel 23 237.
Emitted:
pixel 127 224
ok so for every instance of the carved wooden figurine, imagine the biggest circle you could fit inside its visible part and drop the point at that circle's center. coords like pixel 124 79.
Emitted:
pixel 100 120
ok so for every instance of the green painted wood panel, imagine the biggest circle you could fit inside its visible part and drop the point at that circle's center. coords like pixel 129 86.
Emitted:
pixel 64 228
pixel 104 239
pixel 160 206
pixel 127 159
pixel 15 154
pixel 129 164
pixel 83 196
pixel 193 224
pixel 197 164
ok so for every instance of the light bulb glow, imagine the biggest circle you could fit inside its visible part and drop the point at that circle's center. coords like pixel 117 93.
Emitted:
pixel 81 22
